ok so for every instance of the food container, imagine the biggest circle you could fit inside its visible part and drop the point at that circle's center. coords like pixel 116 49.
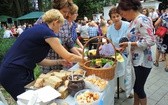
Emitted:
pixel 87 97
pixel 76 83
pixel 104 72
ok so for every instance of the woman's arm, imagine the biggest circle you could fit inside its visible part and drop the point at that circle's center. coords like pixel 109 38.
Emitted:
pixel 60 50
pixel 75 51
pixel 158 22
pixel 49 62
pixel 79 43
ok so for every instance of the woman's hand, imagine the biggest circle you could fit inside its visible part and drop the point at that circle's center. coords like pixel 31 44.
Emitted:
pixel 65 63
pixel 123 46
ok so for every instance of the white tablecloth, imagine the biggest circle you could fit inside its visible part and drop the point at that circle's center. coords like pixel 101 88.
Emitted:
pixel 107 95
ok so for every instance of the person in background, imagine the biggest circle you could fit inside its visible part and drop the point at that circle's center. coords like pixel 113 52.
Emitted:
pixel 79 24
pixel 145 11
pixel 83 32
pixel 163 21
pixel 141 37
pixel 115 32
pixel 93 32
pixel 14 31
pixel 153 15
pixel 7 33
pixel 103 28
pixel 71 17
pixel 109 22
pixel 31 48
pixel 19 30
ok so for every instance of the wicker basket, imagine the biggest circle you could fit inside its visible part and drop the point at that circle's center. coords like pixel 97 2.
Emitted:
pixel 104 73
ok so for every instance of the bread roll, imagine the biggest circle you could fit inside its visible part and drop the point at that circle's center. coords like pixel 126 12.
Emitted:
pixel 39 83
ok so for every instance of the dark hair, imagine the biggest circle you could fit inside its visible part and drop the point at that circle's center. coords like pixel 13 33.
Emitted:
pixel 129 5
pixel 113 11
pixel 59 4
pixel 83 23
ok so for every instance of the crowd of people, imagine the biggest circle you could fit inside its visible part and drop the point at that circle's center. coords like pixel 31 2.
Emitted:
pixel 52 41
pixel 13 31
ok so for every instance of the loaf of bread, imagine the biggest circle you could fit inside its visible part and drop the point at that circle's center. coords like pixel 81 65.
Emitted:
pixel 64 91
pixel 45 76
pixel 53 81
pixel 67 73
pixel 66 82
pixel 60 75
pixel 39 83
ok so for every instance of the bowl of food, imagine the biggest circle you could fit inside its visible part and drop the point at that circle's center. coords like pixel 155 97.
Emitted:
pixel 87 97
pixel 76 83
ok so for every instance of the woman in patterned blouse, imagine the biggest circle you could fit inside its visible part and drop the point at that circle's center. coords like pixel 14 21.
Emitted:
pixel 71 17
pixel 141 36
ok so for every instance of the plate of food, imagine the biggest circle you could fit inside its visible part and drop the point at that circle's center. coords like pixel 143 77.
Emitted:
pixel 87 97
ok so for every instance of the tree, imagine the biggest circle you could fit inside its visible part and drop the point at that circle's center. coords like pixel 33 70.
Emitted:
pixel 89 7
pixel 14 8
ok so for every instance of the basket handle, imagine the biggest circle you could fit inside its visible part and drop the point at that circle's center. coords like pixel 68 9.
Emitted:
pixel 99 39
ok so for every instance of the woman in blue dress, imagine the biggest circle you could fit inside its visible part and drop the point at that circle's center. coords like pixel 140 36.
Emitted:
pixel 31 48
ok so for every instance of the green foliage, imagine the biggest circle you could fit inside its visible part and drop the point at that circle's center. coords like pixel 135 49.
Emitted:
pixel 37 71
pixel 5 44
pixel 89 7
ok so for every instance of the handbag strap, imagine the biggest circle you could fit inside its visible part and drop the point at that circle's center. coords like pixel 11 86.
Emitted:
pixel 129 51
pixel 129 47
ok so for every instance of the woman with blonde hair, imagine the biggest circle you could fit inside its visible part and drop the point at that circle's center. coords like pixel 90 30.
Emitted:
pixel 31 48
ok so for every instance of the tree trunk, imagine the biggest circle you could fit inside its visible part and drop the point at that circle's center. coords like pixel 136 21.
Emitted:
pixel 40 5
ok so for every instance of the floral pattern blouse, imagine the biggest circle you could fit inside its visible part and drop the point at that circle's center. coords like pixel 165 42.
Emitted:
pixel 164 18
pixel 141 32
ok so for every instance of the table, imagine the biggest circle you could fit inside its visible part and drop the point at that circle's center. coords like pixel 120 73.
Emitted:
pixel 107 95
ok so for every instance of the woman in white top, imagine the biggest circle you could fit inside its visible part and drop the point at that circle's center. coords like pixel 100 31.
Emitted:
pixel 7 33
pixel 115 32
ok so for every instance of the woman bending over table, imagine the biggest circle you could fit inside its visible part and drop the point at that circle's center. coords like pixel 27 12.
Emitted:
pixel 31 48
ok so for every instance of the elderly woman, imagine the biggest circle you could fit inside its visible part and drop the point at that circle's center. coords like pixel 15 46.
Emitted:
pixel 141 37
pixel 30 49
pixel 71 17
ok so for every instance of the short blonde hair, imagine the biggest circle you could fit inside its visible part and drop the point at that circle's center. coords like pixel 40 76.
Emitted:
pixel 73 9
pixel 52 15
